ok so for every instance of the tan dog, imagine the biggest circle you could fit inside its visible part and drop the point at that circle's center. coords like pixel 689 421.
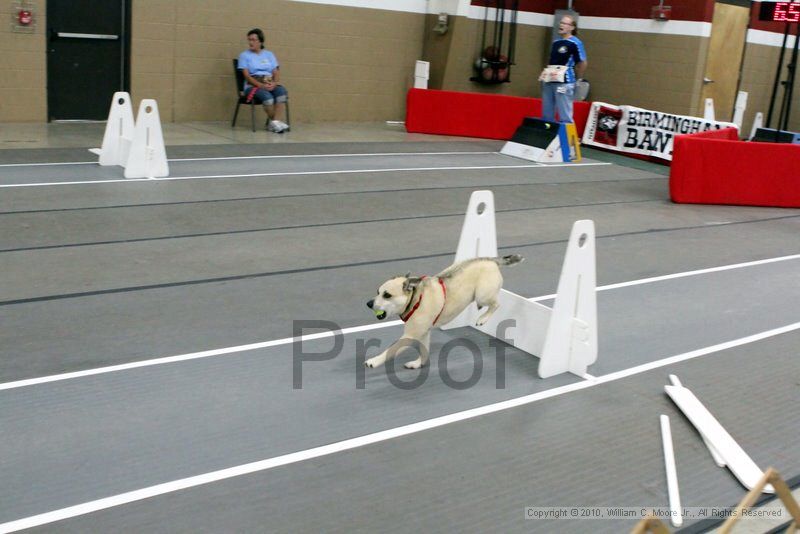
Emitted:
pixel 424 302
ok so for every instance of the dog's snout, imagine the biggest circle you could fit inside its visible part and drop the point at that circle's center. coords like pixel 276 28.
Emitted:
pixel 370 303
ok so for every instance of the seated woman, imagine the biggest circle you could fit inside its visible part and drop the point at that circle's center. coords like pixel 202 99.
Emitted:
pixel 262 76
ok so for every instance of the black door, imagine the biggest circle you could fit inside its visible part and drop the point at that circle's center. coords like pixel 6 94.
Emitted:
pixel 87 57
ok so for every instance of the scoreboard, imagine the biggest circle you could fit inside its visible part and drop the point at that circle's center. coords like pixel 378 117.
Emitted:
pixel 780 11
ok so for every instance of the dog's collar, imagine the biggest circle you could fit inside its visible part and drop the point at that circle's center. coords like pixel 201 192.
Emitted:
pixel 406 315
pixel 409 311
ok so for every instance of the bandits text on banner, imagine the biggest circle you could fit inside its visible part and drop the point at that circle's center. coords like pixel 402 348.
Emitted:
pixel 641 131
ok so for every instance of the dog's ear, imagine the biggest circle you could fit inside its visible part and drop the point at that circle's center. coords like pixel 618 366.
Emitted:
pixel 411 283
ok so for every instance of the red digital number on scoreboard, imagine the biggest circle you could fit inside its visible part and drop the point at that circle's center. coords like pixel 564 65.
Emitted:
pixel 780 11
pixel 786 12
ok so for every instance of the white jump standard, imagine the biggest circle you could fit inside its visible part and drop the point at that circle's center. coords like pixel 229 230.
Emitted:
pixel 148 157
pixel 119 132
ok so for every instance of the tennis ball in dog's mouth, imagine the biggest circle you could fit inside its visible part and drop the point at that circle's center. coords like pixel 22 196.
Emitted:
pixel 380 314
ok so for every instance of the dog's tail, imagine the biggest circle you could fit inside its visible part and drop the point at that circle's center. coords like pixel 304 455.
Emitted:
pixel 511 259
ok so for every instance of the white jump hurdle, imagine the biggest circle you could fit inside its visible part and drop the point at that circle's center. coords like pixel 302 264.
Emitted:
pixel 148 157
pixel 138 145
pixel 119 132
pixel 564 337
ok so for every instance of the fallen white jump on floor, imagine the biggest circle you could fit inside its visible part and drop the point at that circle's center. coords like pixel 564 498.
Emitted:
pixel 722 446
pixel 672 473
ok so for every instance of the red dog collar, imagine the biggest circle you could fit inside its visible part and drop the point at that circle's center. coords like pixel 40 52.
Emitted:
pixel 408 315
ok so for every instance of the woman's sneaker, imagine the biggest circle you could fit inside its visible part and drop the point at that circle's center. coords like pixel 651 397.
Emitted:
pixel 278 126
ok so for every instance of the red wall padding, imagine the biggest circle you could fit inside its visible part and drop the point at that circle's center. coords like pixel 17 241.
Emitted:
pixel 714 167
pixel 475 114
pixel 729 134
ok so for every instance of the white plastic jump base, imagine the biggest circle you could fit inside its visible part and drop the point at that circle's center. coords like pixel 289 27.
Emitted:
pixel 119 132
pixel 148 157
pixel 563 337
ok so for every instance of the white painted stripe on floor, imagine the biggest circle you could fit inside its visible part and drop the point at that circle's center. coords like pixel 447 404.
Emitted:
pixel 306 173
pixel 115 181
pixel 344 331
pixel 369 439
pixel 684 274
pixel 51 164
pixel 284 156
pixel 701 271
pixel 699 352
pixel 191 356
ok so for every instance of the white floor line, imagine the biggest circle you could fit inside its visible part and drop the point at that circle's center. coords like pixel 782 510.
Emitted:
pixel 302 173
pixel 344 331
pixel 349 444
pixel 190 356
pixel 285 156
pixel 50 164
pixel 114 181
pixel 683 274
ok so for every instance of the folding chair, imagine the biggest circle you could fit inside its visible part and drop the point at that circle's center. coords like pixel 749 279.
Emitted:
pixel 241 97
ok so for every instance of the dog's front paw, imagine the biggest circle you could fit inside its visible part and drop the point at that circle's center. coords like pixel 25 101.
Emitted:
pixel 416 364
pixel 481 321
pixel 377 361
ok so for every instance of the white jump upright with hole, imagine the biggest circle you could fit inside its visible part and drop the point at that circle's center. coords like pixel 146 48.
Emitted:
pixel 564 337
pixel 119 132
pixel 138 145
pixel 148 157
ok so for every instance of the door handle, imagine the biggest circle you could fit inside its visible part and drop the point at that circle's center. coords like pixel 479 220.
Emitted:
pixel 707 80
pixel 100 36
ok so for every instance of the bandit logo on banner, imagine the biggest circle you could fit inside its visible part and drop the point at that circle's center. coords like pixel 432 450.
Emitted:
pixel 641 131
pixel 608 120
